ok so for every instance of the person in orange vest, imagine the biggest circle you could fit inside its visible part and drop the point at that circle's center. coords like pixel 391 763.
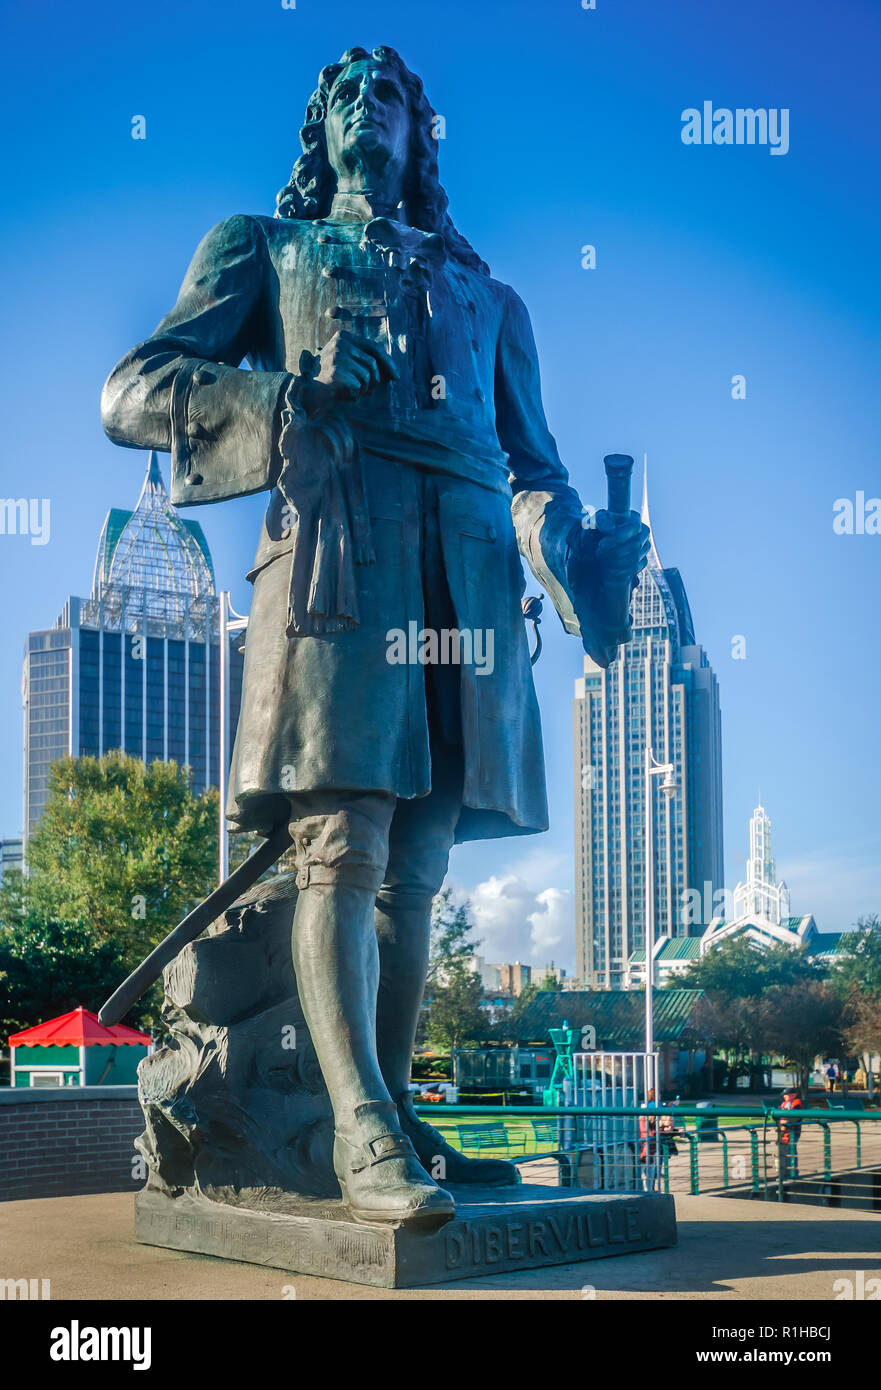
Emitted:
pixel 790 1133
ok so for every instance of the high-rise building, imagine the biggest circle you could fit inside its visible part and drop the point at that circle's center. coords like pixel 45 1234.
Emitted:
pixel 136 665
pixel 661 689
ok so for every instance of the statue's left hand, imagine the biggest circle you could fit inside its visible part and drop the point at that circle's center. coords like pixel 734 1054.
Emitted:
pixel 605 557
pixel 610 551
pixel 622 548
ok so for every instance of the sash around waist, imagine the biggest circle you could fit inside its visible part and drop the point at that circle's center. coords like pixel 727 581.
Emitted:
pixel 422 454
pixel 458 453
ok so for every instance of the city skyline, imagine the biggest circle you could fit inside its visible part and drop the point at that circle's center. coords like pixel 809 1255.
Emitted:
pixel 709 263
pixel 135 666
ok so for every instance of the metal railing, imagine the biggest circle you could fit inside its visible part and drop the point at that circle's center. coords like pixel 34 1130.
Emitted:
pixel 747 1150
pixel 612 1086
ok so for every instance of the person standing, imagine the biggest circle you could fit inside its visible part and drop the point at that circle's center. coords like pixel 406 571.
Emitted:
pixel 790 1133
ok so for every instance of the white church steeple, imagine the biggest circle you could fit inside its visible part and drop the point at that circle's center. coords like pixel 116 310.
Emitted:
pixel 761 895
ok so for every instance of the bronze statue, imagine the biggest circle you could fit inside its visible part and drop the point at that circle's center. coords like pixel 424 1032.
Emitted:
pixel 392 411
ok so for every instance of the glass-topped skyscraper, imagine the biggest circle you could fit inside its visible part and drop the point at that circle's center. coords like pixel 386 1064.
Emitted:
pixel 136 665
pixel 660 687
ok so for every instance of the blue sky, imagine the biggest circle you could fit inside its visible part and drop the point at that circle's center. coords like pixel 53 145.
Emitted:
pixel 562 128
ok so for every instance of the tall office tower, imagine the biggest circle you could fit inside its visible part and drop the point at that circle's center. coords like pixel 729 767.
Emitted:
pixel 659 688
pixel 761 895
pixel 136 666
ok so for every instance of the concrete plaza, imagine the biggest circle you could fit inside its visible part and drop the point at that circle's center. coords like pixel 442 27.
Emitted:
pixel 728 1249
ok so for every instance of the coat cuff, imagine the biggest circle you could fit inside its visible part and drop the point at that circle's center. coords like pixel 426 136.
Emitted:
pixel 547 530
pixel 224 432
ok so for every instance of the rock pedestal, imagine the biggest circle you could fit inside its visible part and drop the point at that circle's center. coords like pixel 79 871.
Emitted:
pixel 239 1136
pixel 235 1105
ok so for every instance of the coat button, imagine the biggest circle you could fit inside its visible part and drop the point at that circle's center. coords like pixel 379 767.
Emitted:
pixel 479 394
pixel 203 377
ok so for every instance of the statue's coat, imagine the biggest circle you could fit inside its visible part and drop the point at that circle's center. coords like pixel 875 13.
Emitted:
pixel 330 710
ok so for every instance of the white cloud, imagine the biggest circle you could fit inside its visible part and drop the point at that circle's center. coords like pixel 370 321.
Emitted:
pixel 519 916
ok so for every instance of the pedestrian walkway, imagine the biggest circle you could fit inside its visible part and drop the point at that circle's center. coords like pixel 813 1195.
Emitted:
pixel 728 1249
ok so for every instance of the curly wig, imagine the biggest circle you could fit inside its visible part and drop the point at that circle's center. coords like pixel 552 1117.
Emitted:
pixel 310 191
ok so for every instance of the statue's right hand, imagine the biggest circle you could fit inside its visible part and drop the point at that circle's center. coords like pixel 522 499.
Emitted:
pixel 349 367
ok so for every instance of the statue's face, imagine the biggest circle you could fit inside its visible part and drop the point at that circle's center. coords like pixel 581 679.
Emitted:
pixel 368 119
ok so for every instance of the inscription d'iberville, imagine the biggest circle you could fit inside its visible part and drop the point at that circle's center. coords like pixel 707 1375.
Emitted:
pixel 493 1242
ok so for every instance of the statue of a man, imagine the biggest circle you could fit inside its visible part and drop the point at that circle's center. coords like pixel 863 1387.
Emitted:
pixel 391 407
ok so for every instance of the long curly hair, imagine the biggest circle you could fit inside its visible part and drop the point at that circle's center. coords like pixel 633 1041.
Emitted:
pixel 310 191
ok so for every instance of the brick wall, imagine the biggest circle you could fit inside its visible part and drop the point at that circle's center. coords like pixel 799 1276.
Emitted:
pixel 60 1143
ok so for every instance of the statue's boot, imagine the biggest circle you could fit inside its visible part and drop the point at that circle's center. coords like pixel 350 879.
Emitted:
pixel 403 925
pixel 336 962
pixel 454 1167
pixel 379 1174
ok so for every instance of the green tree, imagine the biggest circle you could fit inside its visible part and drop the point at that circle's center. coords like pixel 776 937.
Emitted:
pixel 550 981
pixel 732 1025
pixel 455 1015
pixel 123 848
pixel 857 977
pixel 863 1032
pixel 48 968
pixel 739 970
pixel 454 992
pixel 452 942
pixel 859 958
pixel 803 1021
pixel 737 978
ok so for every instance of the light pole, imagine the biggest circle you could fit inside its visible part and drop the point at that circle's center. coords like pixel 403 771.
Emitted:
pixel 228 621
pixel 652 769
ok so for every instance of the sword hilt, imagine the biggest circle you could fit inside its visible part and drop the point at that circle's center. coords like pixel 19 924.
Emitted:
pixel 618 470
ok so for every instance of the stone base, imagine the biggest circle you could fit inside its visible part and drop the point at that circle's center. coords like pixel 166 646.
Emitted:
pixel 494 1231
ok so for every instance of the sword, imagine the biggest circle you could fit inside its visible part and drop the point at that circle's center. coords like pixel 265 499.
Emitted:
pixel 239 881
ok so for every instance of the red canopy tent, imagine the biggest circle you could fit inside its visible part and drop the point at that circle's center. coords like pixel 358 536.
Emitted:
pixel 57 1052
pixel 79 1028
